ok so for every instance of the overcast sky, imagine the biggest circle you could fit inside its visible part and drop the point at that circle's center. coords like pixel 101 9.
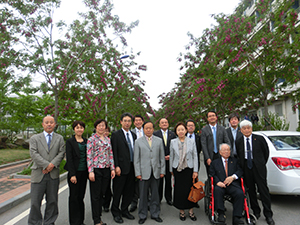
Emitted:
pixel 161 34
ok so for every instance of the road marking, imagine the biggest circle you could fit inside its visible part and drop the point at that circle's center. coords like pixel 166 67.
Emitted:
pixel 26 212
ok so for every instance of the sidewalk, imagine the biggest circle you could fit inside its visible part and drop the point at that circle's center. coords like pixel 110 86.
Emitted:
pixel 13 191
pixel 11 188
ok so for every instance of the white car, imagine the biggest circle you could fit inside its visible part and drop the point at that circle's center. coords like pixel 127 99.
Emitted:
pixel 283 165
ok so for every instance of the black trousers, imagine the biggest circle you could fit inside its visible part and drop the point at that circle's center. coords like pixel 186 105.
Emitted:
pixel 97 189
pixel 136 194
pixel 236 194
pixel 168 184
pixel 256 177
pixel 123 186
pixel 107 196
pixel 76 198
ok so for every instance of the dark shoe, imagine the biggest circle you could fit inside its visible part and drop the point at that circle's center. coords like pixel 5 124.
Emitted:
pixel 192 216
pixel 270 221
pixel 157 219
pixel 132 208
pixel 170 203
pixel 182 216
pixel 118 219
pixel 237 221
pixel 128 216
pixel 106 209
pixel 221 218
pixel 141 221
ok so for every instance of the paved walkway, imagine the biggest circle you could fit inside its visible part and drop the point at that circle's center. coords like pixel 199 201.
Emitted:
pixel 10 188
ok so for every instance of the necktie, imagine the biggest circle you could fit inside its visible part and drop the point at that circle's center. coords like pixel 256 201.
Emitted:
pixel 190 136
pixel 249 158
pixel 234 138
pixel 226 167
pixel 215 140
pixel 49 141
pixel 150 142
pixel 130 147
pixel 165 138
pixel 140 134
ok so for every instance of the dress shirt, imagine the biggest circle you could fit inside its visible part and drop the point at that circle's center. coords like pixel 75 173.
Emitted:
pixel 192 137
pixel 149 140
pixel 211 127
pixel 47 137
pixel 234 175
pixel 130 138
pixel 234 133
pixel 245 145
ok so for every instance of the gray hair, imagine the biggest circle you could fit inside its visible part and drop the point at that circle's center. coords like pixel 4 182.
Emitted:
pixel 245 123
pixel 221 145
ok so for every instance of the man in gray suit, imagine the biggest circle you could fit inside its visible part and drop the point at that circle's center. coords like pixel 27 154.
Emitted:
pixel 212 136
pixel 47 150
pixel 149 166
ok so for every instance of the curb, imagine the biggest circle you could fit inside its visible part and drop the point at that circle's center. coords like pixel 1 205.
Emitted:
pixel 14 163
pixel 9 204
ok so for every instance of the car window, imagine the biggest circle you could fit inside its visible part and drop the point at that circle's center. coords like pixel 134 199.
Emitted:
pixel 286 142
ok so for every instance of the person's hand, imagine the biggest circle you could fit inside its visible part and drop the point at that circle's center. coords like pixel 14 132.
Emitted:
pixel 221 184
pixel 172 173
pixel 50 167
pixel 208 162
pixel 228 180
pixel 92 176
pixel 162 175
pixel 167 157
pixel 112 174
pixel 73 179
pixel 195 175
pixel 139 177
pixel 118 171
pixel 45 171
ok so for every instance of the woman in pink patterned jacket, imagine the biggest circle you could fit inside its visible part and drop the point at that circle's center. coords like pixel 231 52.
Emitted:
pixel 101 167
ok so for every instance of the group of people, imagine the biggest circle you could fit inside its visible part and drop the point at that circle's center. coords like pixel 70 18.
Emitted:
pixel 141 164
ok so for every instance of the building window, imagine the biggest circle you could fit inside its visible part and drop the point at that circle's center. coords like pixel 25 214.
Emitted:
pixel 278 110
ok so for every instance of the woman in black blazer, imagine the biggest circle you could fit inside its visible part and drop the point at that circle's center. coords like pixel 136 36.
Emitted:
pixel 78 173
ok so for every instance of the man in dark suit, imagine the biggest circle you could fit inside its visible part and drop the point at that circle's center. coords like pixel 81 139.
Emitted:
pixel 47 150
pixel 253 154
pixel 191 126
pixel 212 136
pixel 139 131
pixel 166 136
pixel 149 165
pixel 123 185
pixel 233 132
pixel 226 173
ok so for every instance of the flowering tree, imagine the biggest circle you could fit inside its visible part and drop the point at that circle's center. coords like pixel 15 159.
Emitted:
pixel 239 62
pixel 82 70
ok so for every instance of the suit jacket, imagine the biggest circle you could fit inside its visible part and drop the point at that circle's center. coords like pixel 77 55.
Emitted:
pixel 198 142
pixel 230 137
pixel 73 155
pixel 217 170
pixel 207 140
pixel 170 136
pixel 121 150
pixel 260 152
pixel 149 159
pixel 191 154
pixel 41 156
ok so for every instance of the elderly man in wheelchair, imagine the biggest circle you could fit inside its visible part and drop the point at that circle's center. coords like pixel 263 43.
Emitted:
pixel 226 174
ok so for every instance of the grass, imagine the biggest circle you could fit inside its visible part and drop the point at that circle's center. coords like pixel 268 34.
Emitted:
pixel 13 155
pixel 27 171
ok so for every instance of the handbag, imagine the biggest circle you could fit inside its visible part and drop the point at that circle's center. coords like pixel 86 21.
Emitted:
pixel 197 192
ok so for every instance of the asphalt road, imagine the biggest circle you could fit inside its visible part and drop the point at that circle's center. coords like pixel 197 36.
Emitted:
pixel 286 211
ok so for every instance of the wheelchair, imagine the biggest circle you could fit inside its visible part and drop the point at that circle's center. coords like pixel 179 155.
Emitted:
pixel 209 204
